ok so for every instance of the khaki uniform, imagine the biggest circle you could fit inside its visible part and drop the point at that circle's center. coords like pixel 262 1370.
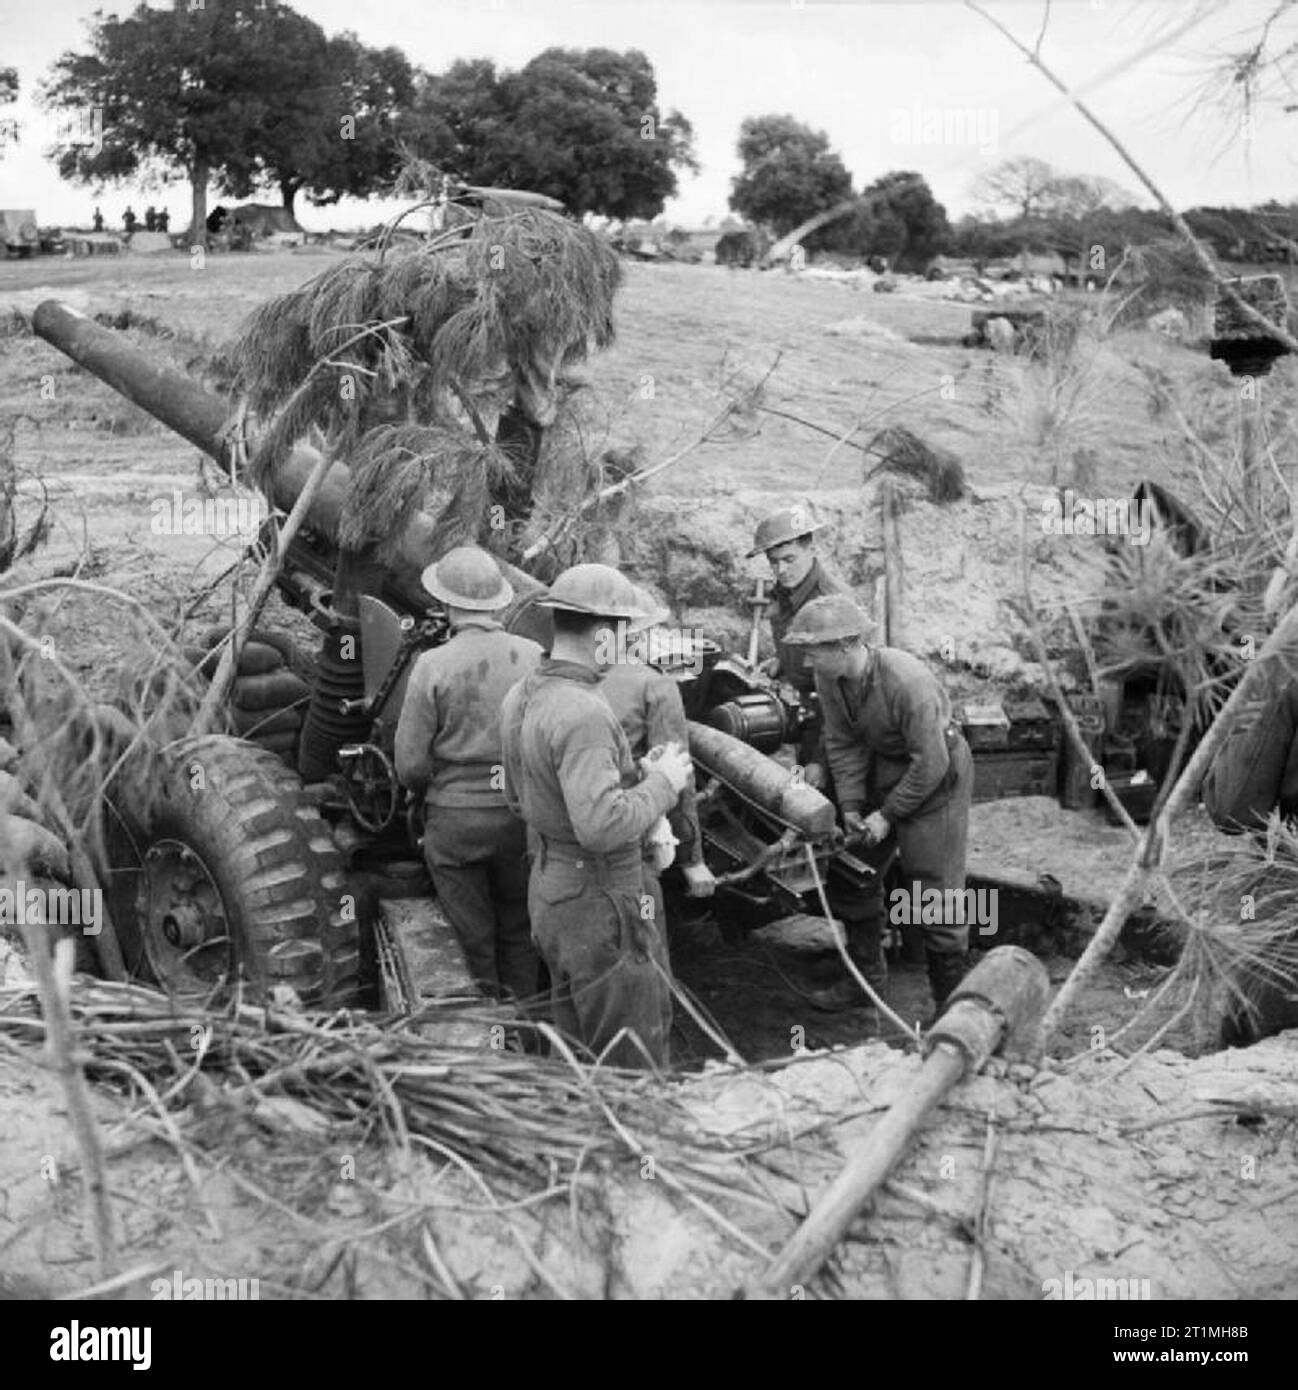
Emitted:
pixel 448 747
pixel 649 708
pixel 892 747
pixel 570 774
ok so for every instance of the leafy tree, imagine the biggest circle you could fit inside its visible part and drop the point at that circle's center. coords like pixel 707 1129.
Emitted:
pixel 339 129
pixel 1266 232
pixel 1076 210
pixel 981 240
pixel 232 90
pixel 8 93
pixel 789 173
pixel 458 116
pixel 898 218
pixel 581 125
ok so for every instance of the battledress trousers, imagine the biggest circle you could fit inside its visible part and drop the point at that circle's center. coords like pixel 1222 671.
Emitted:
pixel 448 745
pixel 570 774
pixel 891 746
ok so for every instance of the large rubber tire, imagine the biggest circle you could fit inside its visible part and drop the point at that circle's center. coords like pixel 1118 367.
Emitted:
pixel 231 817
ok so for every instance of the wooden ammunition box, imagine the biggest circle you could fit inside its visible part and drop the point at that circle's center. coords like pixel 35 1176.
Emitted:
pixel 1138 798
pixel 1025 772
pixel 1032 725
pixel 984 726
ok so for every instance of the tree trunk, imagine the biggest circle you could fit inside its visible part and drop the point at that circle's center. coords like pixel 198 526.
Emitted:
pixel 198 176
pixel 288 191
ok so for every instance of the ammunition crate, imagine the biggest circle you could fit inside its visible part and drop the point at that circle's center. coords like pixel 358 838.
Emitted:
pixel 1032 725
pixel 1138 798
pixel 984 726
pixel 1030 772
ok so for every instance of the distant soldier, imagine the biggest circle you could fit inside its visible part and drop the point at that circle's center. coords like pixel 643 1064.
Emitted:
pixel 786 539
pixel 649 708
pixel 150 218
pixel 892 747
pixel 129 220
pixel 98 221
pixel 570 773
pixel 164 220
pixel 448 748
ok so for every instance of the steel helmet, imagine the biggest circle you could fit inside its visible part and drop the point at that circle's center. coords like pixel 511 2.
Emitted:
pixel 780 527
pixel 598 590
pixel 828 619
pixel 468 577
pixel 652 612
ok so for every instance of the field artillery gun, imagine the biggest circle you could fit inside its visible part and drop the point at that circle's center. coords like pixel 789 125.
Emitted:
pixel 289 865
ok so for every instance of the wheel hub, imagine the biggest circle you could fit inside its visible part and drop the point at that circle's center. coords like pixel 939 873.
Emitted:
pixel 186 936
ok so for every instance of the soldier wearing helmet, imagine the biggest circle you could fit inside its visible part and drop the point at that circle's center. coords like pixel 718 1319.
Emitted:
pixel 570 773
pixel 786 539
pixel 892 749
pixel 448 749
pixel 649 708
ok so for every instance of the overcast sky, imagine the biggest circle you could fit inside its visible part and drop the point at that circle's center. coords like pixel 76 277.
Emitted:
pixel 882 79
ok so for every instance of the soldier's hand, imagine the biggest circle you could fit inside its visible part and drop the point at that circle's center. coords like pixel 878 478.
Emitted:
pixel 770 667
pixel 876 827
pixel 700 881
pixel 814 776
pixel 674 763
pixel 853 822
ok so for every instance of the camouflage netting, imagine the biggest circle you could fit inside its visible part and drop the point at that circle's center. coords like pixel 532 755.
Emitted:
pixel 410 359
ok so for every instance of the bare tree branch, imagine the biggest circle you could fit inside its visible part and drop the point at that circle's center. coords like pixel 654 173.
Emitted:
pixel 1252 315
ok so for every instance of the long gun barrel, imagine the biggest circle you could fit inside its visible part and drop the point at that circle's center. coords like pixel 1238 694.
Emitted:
pixel 205 420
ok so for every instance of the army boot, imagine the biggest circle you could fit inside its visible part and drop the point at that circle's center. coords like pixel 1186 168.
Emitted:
pixel 865 947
